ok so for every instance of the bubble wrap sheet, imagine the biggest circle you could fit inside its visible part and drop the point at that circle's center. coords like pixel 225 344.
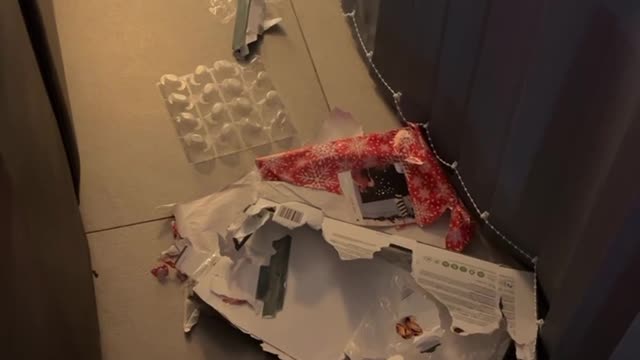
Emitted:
pixel 224 109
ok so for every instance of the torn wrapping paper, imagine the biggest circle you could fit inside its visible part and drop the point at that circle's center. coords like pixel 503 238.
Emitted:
pixel 323 167
pixel 200 220
pixel 203 219
pixel 325 292
pixel 252 19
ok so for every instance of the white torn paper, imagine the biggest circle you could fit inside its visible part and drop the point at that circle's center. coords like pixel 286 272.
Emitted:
pixel 348 240
pixel 466 286
pixel 248 222
pixel 191 259
pixel 234 280
pixel 191 315
pixel 322 293
pixel 202 220
pixel 519 310
pixel 469 288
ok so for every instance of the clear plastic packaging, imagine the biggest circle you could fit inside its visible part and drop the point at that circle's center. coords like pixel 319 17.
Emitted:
pixel 225 108
pixel 225 10
pixel 412 325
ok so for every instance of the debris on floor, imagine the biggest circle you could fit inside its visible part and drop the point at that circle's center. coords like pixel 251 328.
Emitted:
pixel 289 263
pixel 160 272
pixel 253 18
pixel 326 274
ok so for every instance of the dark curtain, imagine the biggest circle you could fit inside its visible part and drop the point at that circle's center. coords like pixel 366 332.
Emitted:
pixel 539 103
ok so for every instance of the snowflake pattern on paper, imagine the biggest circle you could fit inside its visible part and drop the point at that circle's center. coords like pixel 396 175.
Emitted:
pixel 273 163
pixel 424 193
pixel 318 166
pixel 323 151
pixel 385 148
pixel 356 147
pixel 315 177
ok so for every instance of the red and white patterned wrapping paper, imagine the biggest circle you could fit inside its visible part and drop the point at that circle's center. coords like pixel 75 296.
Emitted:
pixel 318 166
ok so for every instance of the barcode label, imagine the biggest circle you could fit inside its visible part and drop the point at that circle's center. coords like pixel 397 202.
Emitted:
pixel 290 214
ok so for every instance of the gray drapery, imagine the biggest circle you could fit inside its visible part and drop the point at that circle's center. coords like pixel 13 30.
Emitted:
pixel 538 102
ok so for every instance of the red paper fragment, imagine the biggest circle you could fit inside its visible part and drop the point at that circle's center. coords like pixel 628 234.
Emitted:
pixel 318 166
pixel 160 272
